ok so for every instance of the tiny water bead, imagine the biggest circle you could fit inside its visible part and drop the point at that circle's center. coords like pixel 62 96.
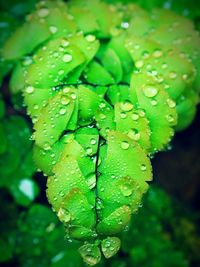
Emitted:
pixel 64 215
pixel 126 106
pixel 29 89
pixel 43 12
pixel 171 103
pixel 134 134
pixel 126 190
pixel 125 145
pixel 150 91
pixel 135 116
pixel 62 111
pixel 143 167
pixel 123 115
pixel 90 38
pixel 93 141
pixel 91 181
pixel 65 101
pixel 67 58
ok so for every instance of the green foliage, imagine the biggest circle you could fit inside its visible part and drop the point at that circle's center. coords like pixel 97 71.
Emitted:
pixel 16 163
pixel 103 97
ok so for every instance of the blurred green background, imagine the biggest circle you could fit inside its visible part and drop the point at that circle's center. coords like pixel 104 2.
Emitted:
pixel 164 233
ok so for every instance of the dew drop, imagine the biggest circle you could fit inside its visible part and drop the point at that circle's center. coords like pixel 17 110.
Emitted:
pixel 67 58
pixel 91 181
pixel 172 75
pixel 53 29
pixel 29 89
pixel 124 145
pixel 143 167
pixel 65 101
pixel 64 215
pixel 62 111
pixel 171 103
pixel 43 12
pixel 90 38
pixel 126 106
pixel 93 141
pixel 123 115
pixel 135 116
pixel 150 91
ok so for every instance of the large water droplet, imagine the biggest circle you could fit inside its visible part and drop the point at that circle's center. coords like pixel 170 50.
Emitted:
pixel 125 145
pixel 67 58
pixel 64 215
pixel 43 12
pixel 126 106
pixel 150 91
pixel 29 89
pixel 90 38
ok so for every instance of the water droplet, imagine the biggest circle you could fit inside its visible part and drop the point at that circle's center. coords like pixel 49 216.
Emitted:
pixel 102 105
pixel 170 118
pixel 64 215
pixel 135 116
pixel 125 25
pixel 64 100
pixel 73 96
pixel 172 75
pixel 143 167
pixel 65 43
pixel 171 103
pixel 67 58
pixel 47 146
pixel 126 189
pixel 123 115
pixel 157 53
pixel 29 89
pixel 164 66
pixel 93 141
pixel 139 64
pixel 185 77
pixel 91 181
pixel 90 38
pixel 102 116
pixel 154 102
pixel 62 111
pixel 66 90
pixel 124 145
pixel 60 72
pixel 43 12
pixel 134 134
pixel 53 29
pixel 126 106
pixel 89 150
pixel 150 91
